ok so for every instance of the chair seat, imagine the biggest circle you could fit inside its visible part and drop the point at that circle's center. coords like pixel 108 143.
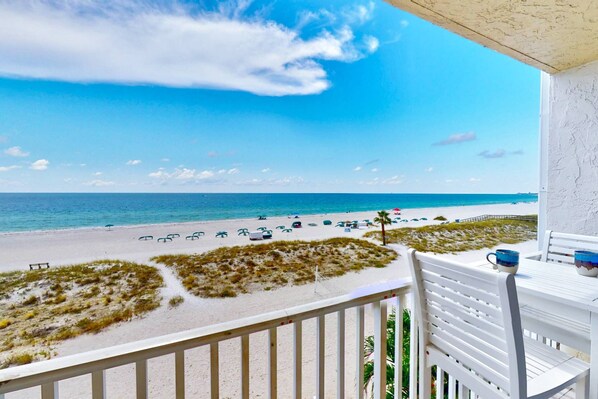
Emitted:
pixel 550 371
pixel 561 329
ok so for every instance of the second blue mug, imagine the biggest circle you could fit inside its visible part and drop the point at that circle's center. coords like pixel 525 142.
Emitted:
pixel 586 263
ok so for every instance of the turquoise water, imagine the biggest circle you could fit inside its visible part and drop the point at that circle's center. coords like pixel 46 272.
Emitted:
pixel 23 212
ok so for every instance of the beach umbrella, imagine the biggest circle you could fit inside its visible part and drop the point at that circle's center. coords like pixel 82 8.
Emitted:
pixel 397 209
pixel 109 226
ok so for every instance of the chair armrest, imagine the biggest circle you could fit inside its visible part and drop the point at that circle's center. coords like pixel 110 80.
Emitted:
pixel 537 255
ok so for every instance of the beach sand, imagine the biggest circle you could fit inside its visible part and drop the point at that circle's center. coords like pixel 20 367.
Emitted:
pixel 72 246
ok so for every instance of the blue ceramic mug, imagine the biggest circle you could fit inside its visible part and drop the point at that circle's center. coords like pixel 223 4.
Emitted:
pixel 506 260
pixel 586 263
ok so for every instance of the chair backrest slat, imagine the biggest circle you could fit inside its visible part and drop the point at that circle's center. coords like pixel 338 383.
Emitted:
pixel 470 316
pixel 560 247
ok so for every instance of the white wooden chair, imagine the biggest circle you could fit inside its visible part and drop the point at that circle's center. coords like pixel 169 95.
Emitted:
pixel 560 248
pixel 471 328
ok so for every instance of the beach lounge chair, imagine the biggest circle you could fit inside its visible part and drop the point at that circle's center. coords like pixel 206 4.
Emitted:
pixel 145 238
pixel 327 222
pixel 222 234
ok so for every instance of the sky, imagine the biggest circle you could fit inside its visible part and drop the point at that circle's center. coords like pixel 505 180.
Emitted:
pixel 256 96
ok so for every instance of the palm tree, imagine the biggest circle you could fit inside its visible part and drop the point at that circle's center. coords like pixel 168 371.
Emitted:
pixel 383 218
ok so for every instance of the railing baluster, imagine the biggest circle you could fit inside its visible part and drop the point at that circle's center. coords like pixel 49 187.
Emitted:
pixel 452 387
pixel 359 336
pixel 272 364
pixel 141 378
pixel 179 372
pixel 297 361
pixel 214 371
pixel 440 383
pixel 320 352
pixel 98 384
pixel 340 342
pixel 380 350
pixel 245 367
pixel 399 307
pixel 463 391
pixel 413 369
pixel 50 390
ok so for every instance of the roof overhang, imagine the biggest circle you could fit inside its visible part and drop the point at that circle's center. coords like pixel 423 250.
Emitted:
pixel 550 35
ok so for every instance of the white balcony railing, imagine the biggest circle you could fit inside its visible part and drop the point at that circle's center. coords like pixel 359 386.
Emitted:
pixel 48 374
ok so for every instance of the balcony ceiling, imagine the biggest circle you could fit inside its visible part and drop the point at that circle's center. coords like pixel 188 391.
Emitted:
pixel 550 35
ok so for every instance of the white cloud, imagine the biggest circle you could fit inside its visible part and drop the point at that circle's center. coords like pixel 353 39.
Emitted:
pixel 16 152
pixel 430 169
pixel 474 180
pixel 357 169
pixel 98 174
pixel 233 171
pixel 404 23
pixel 265 170
pixel 285 181
pixel 374 170
pixel 165 160
pixel 393 180
pixel 159 174
pixel 360 13
pixel 371 43
pixel 457 138
pixel 40 164
pixel 151 42
pixel 500 153
pixel 133 162
pixel 7 168
pixel 99 183
pixel 380 181
pixel 185 174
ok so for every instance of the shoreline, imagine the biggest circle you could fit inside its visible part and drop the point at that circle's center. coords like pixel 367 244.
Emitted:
pixel 209 221
pixel 64 247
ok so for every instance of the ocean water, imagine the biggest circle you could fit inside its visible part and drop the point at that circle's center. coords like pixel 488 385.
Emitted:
pixel 25 212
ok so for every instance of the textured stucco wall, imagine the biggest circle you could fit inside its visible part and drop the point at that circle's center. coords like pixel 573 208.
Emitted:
pixel 572 159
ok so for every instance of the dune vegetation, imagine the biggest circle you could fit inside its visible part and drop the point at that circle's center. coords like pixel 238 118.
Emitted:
pixel 40 308
pixel 460 237
pixel 230 271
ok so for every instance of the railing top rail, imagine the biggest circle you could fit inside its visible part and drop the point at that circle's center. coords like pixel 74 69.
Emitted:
pixel 21 377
